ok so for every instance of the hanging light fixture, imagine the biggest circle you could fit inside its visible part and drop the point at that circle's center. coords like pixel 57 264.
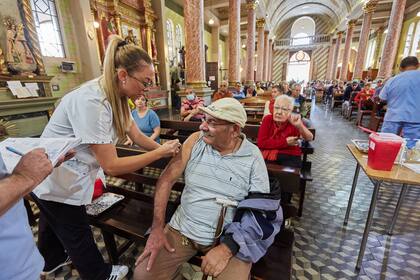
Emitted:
pixel 211 21
pixel 386 31
pixel 96 24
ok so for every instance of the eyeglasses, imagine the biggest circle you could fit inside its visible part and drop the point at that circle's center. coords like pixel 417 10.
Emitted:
pixel 282 109
pixel 213 123
pixel 145 84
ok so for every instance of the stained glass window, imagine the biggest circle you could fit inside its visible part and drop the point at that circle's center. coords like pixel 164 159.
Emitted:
pixel 48 27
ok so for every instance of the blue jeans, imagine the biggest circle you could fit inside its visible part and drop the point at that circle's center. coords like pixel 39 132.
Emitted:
pixel 409 130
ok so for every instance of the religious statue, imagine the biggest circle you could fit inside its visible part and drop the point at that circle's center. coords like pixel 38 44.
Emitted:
pixel 19 57
pixel 3 67
pixel 130 38
pixel 182 57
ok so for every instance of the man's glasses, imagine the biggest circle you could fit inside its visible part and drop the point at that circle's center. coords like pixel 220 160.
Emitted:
pixel 214 122
pixel 282 109
pixel 145 84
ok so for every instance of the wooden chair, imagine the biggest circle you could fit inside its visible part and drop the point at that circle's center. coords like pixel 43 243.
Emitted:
pixel 361 113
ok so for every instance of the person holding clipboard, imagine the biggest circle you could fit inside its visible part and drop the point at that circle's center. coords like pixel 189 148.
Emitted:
pixel 98 113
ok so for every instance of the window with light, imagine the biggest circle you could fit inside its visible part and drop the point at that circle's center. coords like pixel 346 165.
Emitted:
pixel 48 28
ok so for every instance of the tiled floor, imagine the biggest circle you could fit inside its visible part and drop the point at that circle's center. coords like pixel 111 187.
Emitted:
pixel 324 249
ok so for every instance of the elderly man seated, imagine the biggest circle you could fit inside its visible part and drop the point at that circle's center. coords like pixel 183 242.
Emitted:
pixel 218 163
pixel 279 134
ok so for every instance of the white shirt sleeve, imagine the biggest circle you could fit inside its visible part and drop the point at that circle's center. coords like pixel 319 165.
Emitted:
pixel 91 120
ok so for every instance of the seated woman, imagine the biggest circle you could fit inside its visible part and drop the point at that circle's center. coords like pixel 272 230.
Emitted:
pixel 279 134
pixel 146 119
pixel 363 97
pixel 269 105
pixel 189 108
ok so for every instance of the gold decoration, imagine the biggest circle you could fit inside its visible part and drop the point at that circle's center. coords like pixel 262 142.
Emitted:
pixel 260 22
pixel 3 67
pixel 251 5
pixel 28 20
pixel 370 6
pixel 352 23
pixel 7 129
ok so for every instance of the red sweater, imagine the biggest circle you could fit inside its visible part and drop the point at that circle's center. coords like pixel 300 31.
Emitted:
pixel 363 95
pixel 272 139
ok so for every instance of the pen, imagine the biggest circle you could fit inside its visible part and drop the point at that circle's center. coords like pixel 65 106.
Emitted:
pixel 13 150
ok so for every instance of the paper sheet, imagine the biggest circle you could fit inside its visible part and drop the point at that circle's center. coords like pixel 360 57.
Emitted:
pixel 413 166
pixel 32 88
pixel 18 90
pixel 54 147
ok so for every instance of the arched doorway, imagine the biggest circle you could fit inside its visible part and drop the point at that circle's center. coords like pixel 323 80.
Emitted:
pixel 298 67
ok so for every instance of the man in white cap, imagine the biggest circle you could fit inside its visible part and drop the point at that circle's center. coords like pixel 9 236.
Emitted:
pixel 217 162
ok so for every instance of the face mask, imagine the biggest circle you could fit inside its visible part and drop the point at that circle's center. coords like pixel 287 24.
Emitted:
pixel 190 97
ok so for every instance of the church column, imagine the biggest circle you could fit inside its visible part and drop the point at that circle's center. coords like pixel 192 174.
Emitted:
pixel 250 42
pixel 377 54
pixel 270 60
pixel 260 49
pixel 329 75
pixel 215 30
pixel 266 51
pixel 347 49
pixel 336 53
pixel 234 41
pixel 364 39
pixel 194 53
pixel 392 38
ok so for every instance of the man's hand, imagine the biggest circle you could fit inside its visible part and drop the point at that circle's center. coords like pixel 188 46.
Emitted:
pixel 155 242
pixel 296 120
pixel 33 167
pixel 292 140
pixel 216 260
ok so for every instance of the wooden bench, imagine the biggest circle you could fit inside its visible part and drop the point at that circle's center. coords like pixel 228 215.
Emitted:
pixel 132 218
pixel 251 132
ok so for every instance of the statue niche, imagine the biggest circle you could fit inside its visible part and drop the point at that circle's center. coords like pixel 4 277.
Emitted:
pixel 19 57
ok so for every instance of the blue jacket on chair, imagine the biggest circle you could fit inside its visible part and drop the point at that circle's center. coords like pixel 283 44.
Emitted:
pixel 257 221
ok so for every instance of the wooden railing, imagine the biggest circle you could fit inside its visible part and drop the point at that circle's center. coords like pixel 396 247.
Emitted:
pixel 302 42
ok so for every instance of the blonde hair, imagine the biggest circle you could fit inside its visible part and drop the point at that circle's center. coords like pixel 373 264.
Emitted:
pixel 120 54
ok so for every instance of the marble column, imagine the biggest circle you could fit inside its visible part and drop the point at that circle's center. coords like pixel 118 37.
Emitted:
pixel 215 31
pixel 392 38
pixel 270 61
pixel 260 49
pixel 266 51
pixel 330 59
pixel 347 49
pixel 250 42
pixel 336 53
pixel 368 9
pixel 194 49
pixel 234 41
pixel 377 54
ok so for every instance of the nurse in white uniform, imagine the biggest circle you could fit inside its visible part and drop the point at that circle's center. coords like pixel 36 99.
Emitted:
pixel 98 113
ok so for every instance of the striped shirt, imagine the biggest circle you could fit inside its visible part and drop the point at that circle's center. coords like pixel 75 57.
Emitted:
pixel 210 175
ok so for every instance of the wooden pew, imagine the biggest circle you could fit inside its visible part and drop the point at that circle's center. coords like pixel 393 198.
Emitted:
pixel 132 218
pixel 251 132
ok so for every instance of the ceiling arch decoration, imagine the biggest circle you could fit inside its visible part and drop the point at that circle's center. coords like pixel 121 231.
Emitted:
pixel 334 10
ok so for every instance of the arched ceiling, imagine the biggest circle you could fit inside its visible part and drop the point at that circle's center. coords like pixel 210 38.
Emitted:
pixel 329 15
pixel 333 10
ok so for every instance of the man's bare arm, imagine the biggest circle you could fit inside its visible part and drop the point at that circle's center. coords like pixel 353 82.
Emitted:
pixel 172 172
